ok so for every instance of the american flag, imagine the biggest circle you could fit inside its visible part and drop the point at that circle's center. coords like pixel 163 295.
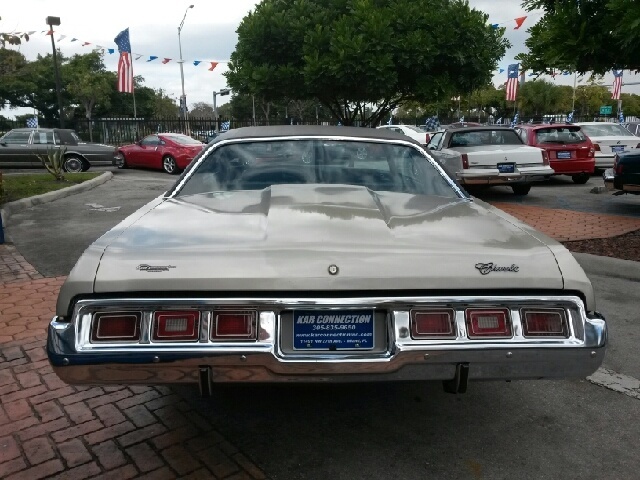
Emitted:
pixel 617 84
pixel 125 68
pixel 512 82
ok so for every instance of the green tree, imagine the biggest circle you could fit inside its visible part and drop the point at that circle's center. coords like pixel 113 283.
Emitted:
pixel 88 82
pixel 350 54
pixel 583 36
pixel 201 110
pixel 537 98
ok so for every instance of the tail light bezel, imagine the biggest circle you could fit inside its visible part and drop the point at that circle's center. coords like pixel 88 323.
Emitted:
pixel 527 333
pixel 98 317
pixel 155 326
pixel 545 157
pixel 465 161
pixel 251 334
pixel 471 332
pixel 416 335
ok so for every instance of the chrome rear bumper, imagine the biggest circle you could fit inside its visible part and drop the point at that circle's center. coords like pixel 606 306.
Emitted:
pixel 400 357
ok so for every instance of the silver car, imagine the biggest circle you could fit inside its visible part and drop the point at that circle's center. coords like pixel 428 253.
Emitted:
pixel 322 254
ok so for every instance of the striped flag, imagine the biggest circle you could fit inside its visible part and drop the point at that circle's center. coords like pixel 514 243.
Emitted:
pixel 617 84
pixel 512 82
pixel 125 68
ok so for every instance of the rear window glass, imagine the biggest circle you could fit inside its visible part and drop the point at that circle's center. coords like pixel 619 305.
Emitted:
pixel 606 130
pixel 560 135
pixel 484 137
pixel 263 164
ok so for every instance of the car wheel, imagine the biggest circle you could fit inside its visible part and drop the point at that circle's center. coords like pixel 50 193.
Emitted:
pixel 121 161
pixel 74 164
pixel 580 178
pixel 521 189
pixel 169 165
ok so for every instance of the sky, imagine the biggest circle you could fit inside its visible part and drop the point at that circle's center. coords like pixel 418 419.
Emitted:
pixel 208 34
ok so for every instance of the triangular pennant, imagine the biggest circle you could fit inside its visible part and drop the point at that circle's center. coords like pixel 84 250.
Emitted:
pixel 519 22
pixel 152 58
pixel 197 62
pixel 501 70
pixel 50 32
pixel 74 39
pixel 31 32
pixel 138 57
pixel 62 37
pixel 166 60
pixel 495 25
pixel 86 43
pixel 111 50
pixel 213 65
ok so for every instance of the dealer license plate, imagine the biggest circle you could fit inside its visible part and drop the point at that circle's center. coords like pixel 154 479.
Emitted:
pixel 506 167
pixel 333 329
pixel 618 148
pixel 563 154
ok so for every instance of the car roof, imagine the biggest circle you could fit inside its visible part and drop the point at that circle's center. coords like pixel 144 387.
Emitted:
pixel 481 128
pixel 536 126
pixel 312 130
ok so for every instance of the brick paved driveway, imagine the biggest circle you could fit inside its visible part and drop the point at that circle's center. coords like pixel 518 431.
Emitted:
pixel 50 429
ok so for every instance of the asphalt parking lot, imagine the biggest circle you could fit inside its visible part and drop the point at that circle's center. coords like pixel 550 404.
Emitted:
pixel 539 429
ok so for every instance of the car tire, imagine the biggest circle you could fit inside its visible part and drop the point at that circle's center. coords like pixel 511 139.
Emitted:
pixel 521 189
pixel 123 163
pixel 580 178
pixel 169 165
pixel 75 164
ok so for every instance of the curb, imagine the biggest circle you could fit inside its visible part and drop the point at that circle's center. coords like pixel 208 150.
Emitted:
pixel 24 203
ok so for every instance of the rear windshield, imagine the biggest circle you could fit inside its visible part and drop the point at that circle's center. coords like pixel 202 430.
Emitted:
pixel 476 138
pixel 567 134
pixel 606 130
pixel 258 165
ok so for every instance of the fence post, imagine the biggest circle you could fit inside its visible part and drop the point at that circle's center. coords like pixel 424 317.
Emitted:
pixel 1 226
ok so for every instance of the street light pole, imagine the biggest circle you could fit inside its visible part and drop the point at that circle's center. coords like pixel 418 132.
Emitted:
pixel 51 21
pixel 183 98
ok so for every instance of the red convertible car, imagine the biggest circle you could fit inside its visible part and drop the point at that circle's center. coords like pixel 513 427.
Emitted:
pixel 171 152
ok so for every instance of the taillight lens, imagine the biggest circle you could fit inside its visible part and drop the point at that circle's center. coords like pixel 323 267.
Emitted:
pixel 176 325
pixel 427 138
pixel 545 157
pixel 116 327
pixel 433 323
pixel 596 147
pixel 483 322
pixel 544 323
pixel 233 325
pixel 617 166
pixel 465 160
pixel 592 152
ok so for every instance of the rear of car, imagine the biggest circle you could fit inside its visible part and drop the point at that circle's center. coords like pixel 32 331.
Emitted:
pixel 569 150
pixel 184 148
pixel 609 139
pixel 624 177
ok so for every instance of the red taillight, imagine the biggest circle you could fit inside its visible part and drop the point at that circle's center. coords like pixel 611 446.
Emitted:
pixel 545 157
pixel 432 323
pixel 592 152
pixel 116 327
pixel 427 138
pixel 176 325
pixel 618 167
pixel 483 322
pixel 596 147
pixel 465 160
pixel 232 325
pixel 544 323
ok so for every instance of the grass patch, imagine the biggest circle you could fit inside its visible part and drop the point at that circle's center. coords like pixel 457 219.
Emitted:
pixel 17 186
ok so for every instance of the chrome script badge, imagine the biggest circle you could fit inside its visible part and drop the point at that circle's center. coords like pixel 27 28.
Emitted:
pixel 487 268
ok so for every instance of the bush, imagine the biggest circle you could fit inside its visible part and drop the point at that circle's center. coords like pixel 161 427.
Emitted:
pixel 53 161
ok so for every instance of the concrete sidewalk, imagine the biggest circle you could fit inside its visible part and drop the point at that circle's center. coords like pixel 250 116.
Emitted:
pixel 50 429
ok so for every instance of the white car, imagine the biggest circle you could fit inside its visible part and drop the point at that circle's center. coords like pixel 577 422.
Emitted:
pixel 419 134
pixel 609 139
pixel 490 155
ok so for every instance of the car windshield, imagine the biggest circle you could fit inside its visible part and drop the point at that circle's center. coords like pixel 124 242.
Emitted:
pixel 259 165
pixel 606 130
pixel 569 134
pixel 474 138
pixel 184 140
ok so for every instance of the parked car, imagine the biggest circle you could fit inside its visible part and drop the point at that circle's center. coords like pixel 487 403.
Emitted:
pixel 322 254
pixel 609 139
pixel 490 155
pixel 569 150
pixel 624 177
pixel 171 152
pixel 20 147
pixel 633 127
pixel 419 134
